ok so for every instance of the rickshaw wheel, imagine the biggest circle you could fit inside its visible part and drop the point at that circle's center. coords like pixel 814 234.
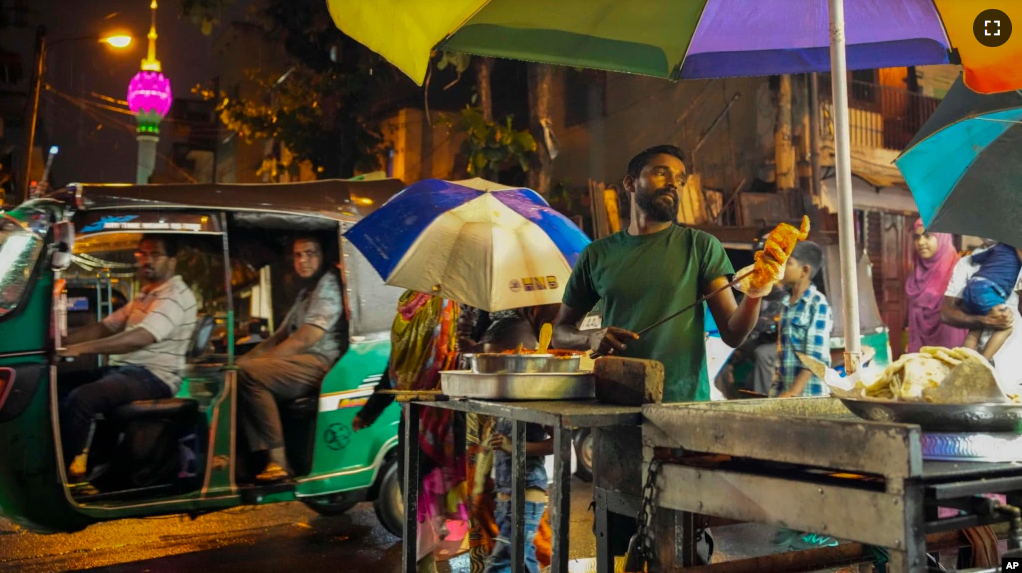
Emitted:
pixel 583 442
pixel 389 503
pixel 324 505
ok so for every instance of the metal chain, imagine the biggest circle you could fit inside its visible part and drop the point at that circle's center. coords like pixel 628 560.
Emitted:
pixel 645 516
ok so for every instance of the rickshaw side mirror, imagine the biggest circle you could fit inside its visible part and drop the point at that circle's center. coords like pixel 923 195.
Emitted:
pixel 64 243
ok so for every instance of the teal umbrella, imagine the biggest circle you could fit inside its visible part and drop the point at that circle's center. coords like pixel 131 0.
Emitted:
pixel 964 167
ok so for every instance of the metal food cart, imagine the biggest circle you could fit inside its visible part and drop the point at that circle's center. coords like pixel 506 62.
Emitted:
pixel 807 464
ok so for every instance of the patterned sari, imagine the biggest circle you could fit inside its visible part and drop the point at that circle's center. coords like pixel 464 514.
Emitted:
pixel 423 344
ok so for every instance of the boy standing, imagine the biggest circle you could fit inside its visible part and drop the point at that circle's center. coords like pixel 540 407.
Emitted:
pixel 805 326
pixel 538 445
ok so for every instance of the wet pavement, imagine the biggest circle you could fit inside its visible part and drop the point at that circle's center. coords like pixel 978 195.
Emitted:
pixel 274 538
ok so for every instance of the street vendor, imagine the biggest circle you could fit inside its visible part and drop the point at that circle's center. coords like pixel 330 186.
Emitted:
pixel 648 271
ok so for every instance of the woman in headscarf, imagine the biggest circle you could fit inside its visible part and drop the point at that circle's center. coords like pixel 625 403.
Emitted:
pixel 934 259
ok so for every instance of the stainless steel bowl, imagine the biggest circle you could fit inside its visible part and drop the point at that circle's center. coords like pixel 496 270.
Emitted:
pixel 492 363
pixel 941 417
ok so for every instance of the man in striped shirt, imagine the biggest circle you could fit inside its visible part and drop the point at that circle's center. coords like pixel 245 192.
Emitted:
pixel 147 341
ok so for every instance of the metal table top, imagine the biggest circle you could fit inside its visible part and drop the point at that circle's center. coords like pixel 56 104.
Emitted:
pixel 564 413
pixel 933 470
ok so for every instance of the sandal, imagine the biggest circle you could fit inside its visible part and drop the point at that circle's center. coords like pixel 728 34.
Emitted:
pixel 273 472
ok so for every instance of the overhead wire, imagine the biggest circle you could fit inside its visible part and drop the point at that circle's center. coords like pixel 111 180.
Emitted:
pixel 128 128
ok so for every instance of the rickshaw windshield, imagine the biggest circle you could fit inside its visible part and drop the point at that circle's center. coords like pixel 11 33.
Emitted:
pixel 19 251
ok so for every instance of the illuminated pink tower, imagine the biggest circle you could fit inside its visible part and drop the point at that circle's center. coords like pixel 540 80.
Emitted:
pixel 149 98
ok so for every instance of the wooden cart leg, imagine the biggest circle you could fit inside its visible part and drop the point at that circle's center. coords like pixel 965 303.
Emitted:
pixel 518 497
pixel 560 500
pixel 604 557
pixel 409 549
pixel 666 532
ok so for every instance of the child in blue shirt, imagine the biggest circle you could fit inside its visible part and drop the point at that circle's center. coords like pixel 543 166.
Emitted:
pixel 989 288
pixel 538 445
pixel 805 326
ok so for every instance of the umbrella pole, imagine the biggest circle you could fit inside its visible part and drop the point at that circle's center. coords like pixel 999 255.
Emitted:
pixel 843 176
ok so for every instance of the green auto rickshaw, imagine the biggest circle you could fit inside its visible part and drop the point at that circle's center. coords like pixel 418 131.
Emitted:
pixel 67 261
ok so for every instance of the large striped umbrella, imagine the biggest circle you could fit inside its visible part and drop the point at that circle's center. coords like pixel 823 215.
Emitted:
pixel 689 39
pixel 964 167
pixel 477 242
pixel 682 39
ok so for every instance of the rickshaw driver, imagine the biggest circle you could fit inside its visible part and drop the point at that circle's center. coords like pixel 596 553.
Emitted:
pixel 292 363
pixel 147 339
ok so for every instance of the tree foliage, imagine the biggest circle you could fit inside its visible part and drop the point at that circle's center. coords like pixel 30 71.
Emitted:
pixel 322 111
pixel 303 112
pixel 491 146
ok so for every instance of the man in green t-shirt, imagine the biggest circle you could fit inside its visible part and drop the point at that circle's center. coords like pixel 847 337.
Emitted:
pixel 649 271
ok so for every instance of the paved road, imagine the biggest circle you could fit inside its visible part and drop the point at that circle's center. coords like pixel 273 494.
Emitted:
pixel 283 537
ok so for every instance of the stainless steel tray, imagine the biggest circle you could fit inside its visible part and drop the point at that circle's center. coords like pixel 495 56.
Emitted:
pixel 531 386
pixel 972 447
pixel 952 418
pixel 492 363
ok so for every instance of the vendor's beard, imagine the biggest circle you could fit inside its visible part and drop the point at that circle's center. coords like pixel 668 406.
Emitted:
pixel 656 210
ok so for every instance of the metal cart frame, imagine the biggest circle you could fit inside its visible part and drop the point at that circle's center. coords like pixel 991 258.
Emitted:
pixel 563 417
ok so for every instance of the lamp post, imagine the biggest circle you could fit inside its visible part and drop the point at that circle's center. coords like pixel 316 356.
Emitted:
pixel 118 41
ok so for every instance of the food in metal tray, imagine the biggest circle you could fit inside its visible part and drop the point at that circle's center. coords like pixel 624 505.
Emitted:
pixel 555 352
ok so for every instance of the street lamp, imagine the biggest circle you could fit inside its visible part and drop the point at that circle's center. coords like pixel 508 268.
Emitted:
pixel 118 41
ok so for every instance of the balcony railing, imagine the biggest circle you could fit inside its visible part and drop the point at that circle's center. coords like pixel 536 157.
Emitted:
pixel 881 117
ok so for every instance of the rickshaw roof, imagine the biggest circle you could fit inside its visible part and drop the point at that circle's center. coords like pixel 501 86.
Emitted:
pixel 332 198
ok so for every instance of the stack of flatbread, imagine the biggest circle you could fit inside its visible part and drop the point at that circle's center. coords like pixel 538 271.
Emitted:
pixel 937 376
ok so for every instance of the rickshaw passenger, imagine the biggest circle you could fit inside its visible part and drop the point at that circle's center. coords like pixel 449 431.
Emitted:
pixel 292 363
pixel 147 339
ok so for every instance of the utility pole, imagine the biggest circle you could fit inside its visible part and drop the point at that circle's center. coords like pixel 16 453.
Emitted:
pixel 216 126
pixel 32 112
pixel 784 152
pixel 814 133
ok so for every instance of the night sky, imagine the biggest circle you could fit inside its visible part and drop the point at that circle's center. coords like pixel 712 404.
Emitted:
pixel 88 152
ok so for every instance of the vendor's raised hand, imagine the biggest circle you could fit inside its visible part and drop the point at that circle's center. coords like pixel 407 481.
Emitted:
pixel 610 340
pixel 1000 318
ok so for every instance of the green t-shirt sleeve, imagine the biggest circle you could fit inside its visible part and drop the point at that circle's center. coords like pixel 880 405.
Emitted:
pixel 580 292
pixel 714 263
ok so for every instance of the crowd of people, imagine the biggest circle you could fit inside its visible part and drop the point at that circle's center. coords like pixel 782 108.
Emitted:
pixel 966 300
pixel 953 300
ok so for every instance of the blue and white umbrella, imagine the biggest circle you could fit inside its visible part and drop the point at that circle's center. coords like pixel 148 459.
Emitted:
pixel 474 241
